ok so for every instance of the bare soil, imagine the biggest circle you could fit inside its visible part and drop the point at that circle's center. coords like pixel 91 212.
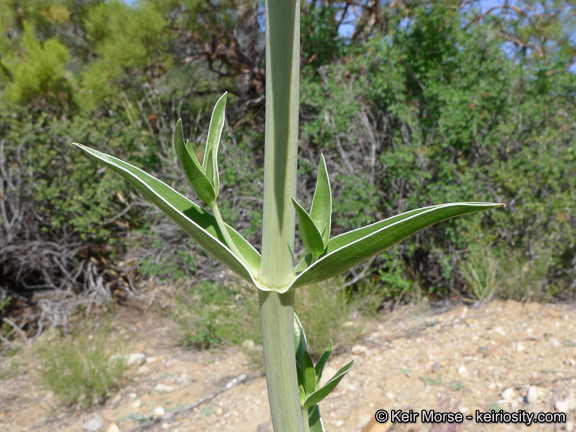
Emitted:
pixel 507 355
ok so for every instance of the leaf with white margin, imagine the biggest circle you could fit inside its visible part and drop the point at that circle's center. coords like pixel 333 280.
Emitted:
pixel 321 393
pixel 300 342
pixel 213 141
pixel 195 221
pixel 195 174
pixel 352 248
pixel 321 211
pixel 319 368
pixel 315 420
pixel 309 232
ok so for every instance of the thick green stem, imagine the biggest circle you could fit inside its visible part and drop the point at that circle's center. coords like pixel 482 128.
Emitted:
pixel 281 145
pixel 280 158
pixel 277 323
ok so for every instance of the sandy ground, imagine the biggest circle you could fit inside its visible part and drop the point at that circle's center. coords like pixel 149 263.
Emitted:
pixel 455 359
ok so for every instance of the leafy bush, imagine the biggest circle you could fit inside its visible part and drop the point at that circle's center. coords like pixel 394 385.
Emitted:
pixel 53 213
pixel 452 118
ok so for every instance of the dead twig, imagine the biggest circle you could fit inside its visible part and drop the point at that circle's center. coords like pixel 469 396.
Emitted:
pixel 170 416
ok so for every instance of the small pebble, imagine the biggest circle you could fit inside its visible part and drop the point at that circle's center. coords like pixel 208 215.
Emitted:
pixel 562 406
pixel 163 388
pixel 508 394
pixel 93 424
pixel 113 428
pixel 359 350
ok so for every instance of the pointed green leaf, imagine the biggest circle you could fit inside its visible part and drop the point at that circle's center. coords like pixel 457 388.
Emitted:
pixel 348 250
pixel 192 154
pixel 308 373
pixel 213 142
pixel 300 376
pixel 195 221
pixel 321 393
pixel 309 233
pixel 321 211
pixel 191 167
pixel 209 168
pixel 300 342
pixel 315 420
pixel 319 368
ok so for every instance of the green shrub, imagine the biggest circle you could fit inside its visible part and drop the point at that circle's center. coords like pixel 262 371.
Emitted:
pixel 84 368
pixel 452 119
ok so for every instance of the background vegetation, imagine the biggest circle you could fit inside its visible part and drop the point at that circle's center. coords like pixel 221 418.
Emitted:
pixel 412 103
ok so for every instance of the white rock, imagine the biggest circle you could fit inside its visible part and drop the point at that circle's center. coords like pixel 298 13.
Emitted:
pixel 338 423
pixel 363 420
pixel 500 331
pixel 508 394
pixel 151 359
pixel 143 370
pixel 137 403
pixel 515 404
pixel 159 412
pixel 520 347
pixel 116 398
pixel 534 393
pixel 130 358
pixel 93 424
pixel 113 428
pixel 562 406
pixel 462 370
pixel 571 402
pixel 554 342
pixel 569 426
pixel 359 349
pixel 163 388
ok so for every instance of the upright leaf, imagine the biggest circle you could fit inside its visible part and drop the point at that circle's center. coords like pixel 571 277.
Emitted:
pixel 321 210
pixel 308 373
pixel 194 173
pixel 309 232
pixel 321 393
pixel 319 368
pixel 300 342
pixel 213 141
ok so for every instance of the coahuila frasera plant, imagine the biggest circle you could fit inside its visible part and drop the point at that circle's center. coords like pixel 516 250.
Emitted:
pixel 293 380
